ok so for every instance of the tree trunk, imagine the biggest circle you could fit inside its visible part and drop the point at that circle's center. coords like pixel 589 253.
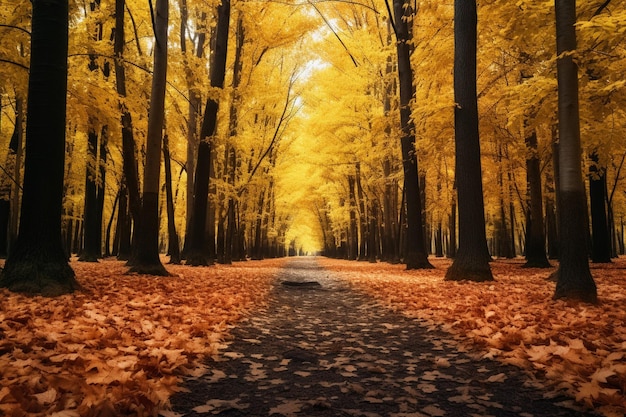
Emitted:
pixel 91 250
pixel 17 169
pixel 372 243
pixel 353 230
pixel 198 253
pixel 38 264
pixel 452 224
pixel 363 226
pixel 472 259
pixel 600 237
pixel 10 185
pixel 123 230
pixel 145 258
pixel 107 239
pixel 173 245
pixel 535 236
pixel 574 277
pixel 415 256
pixel 131 175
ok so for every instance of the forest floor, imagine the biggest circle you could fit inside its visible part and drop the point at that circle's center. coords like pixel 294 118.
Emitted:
pixel 366 340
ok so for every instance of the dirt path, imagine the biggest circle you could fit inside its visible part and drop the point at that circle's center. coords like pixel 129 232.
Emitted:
pixel 320 349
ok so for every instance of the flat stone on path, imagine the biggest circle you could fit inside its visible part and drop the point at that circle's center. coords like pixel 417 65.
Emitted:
pixel 324 350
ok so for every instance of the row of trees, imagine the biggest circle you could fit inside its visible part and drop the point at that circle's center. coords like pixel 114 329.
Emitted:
pixel 288 126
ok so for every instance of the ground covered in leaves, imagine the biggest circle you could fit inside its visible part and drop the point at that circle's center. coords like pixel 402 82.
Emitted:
pixel 122 345
pixel 321 349
pixel 233 341
pixel 579 349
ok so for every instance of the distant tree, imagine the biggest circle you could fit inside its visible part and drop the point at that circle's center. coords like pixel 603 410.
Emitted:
pixel 472 258
pixel 37 263
pixel 574 280
pixel 145 257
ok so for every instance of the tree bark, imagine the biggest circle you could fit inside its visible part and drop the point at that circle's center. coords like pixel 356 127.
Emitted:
pixel 173 245
pixel 129 163
pixel 353 230
pixel 535 235
pixel 363 223
pixel 145 258
pixel 600 237
pixel 574 277
pixel 92 231
pixel 38 263
pixel 472 258
pixel 198 253
pixel 415 256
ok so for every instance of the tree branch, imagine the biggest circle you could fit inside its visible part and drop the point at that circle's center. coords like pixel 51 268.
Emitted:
pixel 17 64
pixel 15 27
pixel 335 33
pixel 601 8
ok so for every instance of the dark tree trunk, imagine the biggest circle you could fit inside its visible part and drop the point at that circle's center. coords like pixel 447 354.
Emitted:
pixel 145 257
pixel 5 211
pixel 173 245
pixel 535 236
pixel 472 259
pixel 129 153
pixel 9 185
pixel 439 240
pixel 123 230
pixel 107 239
pixel 92 250
pixel 363 226
pixel 574 277
pixel 452 247
pixel 600 237
pixel 17 140
pixel 353 231
pixel 38 264
pixel 372 242
pixel 551 216
pixel 198 251
pixel 505 249
pixel 415 256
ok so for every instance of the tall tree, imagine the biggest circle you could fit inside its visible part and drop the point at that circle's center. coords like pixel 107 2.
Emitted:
pixel 38 264
pixel 415 256
pixel 472 258
pixel 198 253
pixel 574 277
pixel 145 258
pixel 131 176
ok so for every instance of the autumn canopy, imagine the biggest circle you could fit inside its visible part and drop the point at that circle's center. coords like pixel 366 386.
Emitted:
pixel 205 132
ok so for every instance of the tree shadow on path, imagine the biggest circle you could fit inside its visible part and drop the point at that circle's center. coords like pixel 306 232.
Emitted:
pixel 321 349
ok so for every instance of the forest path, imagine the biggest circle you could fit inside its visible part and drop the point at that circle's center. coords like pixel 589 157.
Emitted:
pixel 322 349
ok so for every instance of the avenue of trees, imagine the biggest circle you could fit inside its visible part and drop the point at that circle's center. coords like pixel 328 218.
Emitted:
pixel 218 131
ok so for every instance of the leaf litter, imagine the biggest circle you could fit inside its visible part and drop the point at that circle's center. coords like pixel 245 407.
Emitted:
pixel 577 348
pixel 338 352
pixel 123 344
